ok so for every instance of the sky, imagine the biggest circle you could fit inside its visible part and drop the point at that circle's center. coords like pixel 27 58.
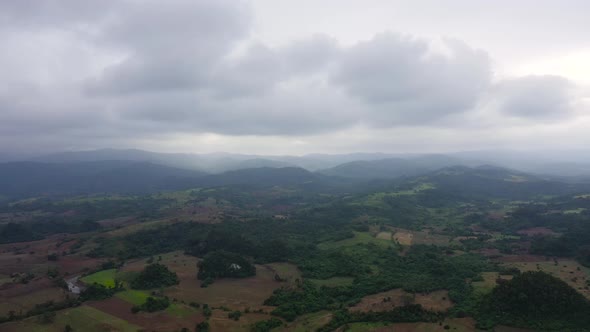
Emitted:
pixel 294 77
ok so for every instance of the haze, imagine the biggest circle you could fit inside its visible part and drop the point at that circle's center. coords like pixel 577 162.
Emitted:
pixel 294 77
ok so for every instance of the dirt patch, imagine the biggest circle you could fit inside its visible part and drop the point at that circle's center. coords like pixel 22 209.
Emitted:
pixel 220 322
pixel 426 237
pixel 521 258
pixel 384 236
pixel 435 301
pixel 310 322
pixel 403 238
pixel 24 297
pixel 236 294
pixel 74 264
pixel 455 324
pixel 489 252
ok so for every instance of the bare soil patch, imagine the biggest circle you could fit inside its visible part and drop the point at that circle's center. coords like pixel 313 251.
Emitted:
pixel 403 238
pixel 521 258
pixel 24 297
pixel 220 322
pixel 384 236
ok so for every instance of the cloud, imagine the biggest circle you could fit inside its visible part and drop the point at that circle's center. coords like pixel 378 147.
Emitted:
pixel 127 71
pixel 168 47
pixel 403 81
pixel 55 14
pixel 535 97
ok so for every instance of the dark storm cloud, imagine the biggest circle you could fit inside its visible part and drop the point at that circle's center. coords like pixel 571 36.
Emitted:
pixel 536 97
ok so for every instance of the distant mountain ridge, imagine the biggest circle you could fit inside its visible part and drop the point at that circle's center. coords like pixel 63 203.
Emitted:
pixel 211 162
pixel 352 165
pixel 18 179
pixel 485 181
pixel 392 167
pixel 26 178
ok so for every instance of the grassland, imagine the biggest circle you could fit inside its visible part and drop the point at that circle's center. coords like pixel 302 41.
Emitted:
pixel 570 271
pixel 488 283
pixel 83 318
pixel 309 322
pixel 453 324
pixel 133 296
pixel 180 310
pixel 359 238
pixel 105 277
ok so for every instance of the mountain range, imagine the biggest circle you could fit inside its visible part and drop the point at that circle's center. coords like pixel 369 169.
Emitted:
pixel 138 171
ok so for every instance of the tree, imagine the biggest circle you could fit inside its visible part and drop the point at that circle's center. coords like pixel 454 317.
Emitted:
pixel 202 327
pixel 223 264
pixel 155 276
pixel 152 304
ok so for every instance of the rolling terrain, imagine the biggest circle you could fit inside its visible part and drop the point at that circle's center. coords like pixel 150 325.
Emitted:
pixel 131 245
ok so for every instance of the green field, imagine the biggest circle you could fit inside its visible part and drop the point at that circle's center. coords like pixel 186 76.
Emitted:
pixel 359 238
pixel 105 277
pixel 133 296
pixel 180 310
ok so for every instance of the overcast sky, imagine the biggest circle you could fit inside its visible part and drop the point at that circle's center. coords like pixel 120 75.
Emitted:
pixel 294 77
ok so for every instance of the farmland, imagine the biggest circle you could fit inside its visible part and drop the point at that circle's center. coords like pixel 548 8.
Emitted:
pixel 321 260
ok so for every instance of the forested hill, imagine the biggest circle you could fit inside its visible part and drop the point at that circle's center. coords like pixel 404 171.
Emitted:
pixel 495 182
pixel 262 176
pixel 29 178
pixel 19 179
pixel 392 167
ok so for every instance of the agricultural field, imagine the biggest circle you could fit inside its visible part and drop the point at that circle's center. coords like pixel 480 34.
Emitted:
pixel 84 318
pixel 309 322
pixel 320 260
pixel 453 324
pixel 105 278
